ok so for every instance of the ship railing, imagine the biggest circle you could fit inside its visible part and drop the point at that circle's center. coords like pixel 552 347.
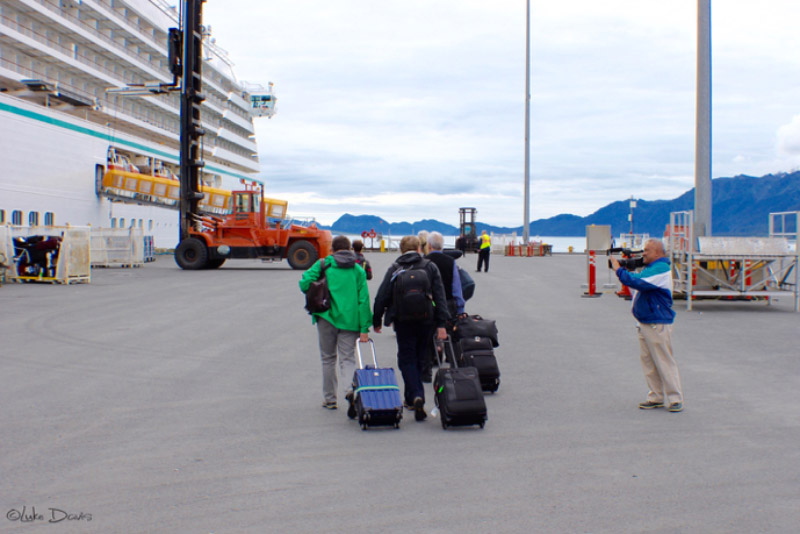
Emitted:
pixel 44 39
pixel 55 45
pixel 106 105
pixel 56 6
pixel 145 60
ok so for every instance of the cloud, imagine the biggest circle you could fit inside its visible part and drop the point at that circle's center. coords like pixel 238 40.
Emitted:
pixel 789 138
pixel 410 110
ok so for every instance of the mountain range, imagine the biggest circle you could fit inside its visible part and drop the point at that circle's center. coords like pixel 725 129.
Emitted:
pixel 740 207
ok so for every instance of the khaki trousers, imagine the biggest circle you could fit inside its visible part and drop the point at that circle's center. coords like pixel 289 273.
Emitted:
pixel 658 363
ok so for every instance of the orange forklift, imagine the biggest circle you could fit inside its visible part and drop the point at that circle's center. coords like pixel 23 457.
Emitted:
pixel 206 241
pixel 249 233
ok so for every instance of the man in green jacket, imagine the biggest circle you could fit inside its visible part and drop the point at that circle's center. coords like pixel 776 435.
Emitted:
pixel 339 327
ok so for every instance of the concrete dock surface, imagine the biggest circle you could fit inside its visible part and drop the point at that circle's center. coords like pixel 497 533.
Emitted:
pixel 160 400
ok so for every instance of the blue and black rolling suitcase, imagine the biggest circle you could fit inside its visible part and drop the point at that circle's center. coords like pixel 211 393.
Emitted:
pixel 376 393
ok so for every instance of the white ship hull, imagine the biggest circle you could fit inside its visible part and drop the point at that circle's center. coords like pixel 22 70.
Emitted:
pixel 48 166
pixel 55 139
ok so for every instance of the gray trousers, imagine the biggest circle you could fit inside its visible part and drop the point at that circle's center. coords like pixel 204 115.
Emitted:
pixel 334 342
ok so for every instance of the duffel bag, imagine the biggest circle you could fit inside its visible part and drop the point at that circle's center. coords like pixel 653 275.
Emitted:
pixel 467 284
pixel 476 326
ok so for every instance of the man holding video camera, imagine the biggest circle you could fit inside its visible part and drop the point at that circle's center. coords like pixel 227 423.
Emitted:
pixel 652 308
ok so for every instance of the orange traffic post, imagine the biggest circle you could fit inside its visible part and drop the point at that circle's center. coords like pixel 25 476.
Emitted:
pixel 592 293
pixel 625 293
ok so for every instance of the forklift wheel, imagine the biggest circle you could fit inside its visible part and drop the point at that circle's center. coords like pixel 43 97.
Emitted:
pixel 301 255
pixel 191 254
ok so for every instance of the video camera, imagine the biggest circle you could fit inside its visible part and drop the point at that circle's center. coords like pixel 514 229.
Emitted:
pixel 631 259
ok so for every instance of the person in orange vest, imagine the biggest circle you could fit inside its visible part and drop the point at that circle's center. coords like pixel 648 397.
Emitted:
pixel 483 253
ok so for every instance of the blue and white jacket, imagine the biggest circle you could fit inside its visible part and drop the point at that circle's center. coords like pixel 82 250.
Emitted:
pixel 652 301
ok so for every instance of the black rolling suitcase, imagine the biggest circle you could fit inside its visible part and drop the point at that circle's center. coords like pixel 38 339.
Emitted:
pixel 376 393
pixel 477 352
pixel 458 393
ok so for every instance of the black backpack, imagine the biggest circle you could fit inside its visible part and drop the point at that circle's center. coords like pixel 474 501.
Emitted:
pixel 364 263
pixel 411 295
pixel 318 296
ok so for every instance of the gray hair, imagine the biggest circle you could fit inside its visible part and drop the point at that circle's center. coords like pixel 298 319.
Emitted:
pixel 435 241
pixel 660 249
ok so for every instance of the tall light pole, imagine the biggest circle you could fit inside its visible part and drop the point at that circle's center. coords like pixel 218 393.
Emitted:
pixel 702 158
pixel 527 201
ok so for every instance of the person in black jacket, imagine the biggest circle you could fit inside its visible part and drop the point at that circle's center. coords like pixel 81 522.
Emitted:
pixel 452 289
pixel 449 271
pixel 413 335
pixel 358 246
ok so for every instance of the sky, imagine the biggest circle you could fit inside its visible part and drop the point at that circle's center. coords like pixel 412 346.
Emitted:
pixel 411 109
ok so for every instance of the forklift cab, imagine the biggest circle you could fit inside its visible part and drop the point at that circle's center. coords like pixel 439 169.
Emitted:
pixel 245 202
pixel 247 206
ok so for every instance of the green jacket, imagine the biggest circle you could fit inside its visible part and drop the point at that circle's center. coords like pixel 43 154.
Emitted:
pixel 347 282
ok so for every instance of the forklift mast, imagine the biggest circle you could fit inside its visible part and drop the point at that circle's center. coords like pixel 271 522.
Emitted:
pixel 467 222
pixel 469 234
pixel 191 62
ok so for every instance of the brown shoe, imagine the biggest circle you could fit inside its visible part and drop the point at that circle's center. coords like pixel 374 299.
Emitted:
pixel 649 405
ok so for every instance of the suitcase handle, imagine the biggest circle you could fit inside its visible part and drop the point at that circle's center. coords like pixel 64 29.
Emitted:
pixel 358 353
pixel 444 343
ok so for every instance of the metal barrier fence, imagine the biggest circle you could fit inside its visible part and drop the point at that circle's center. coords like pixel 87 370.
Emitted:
pixel 121 247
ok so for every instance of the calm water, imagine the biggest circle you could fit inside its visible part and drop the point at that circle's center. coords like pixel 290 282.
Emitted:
pixel 560 244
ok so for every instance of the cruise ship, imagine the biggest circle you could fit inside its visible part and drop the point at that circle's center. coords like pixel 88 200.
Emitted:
pixel 67 120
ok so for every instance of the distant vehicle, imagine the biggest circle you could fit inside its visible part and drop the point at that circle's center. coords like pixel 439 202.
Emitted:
pixel 248 232
pixel 468 236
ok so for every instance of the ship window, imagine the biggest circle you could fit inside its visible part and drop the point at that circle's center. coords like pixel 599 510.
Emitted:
pixel 33 218
pixel 150 224
pixel 140 223
pixel 16 217
pixel 2 216
pixel 49 218
pixel 122 222
pixel 113 223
